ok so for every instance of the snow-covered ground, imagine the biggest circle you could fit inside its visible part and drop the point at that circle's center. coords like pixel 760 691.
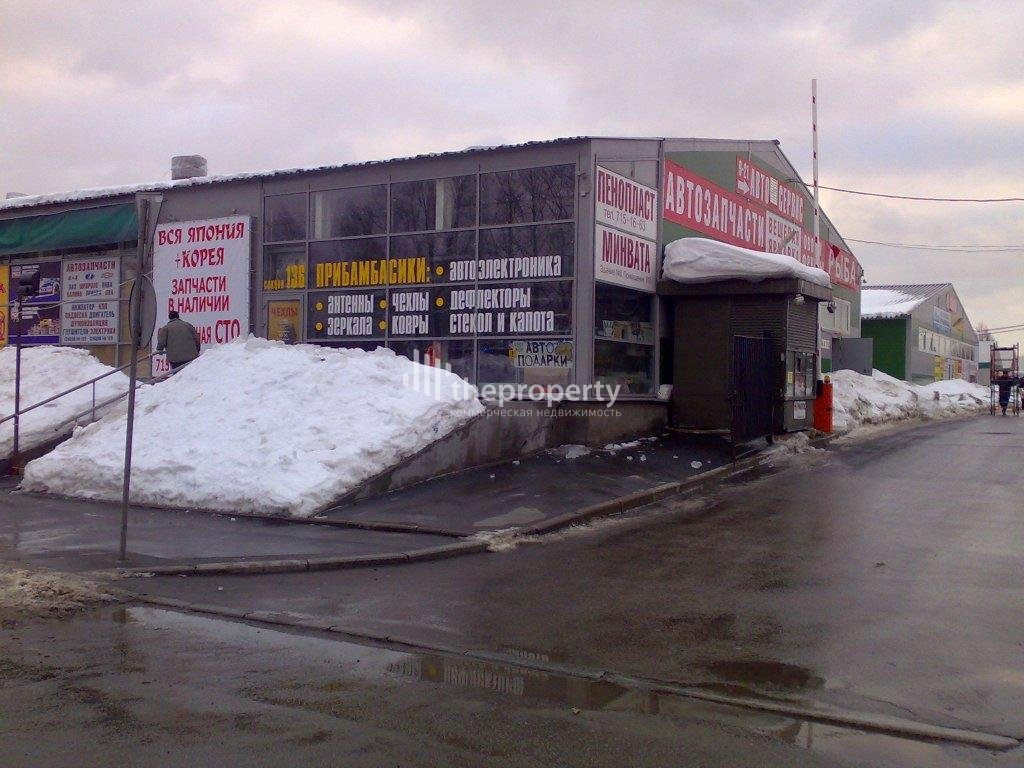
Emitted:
pixel 879 399
pixel 45 371
pixel 258 426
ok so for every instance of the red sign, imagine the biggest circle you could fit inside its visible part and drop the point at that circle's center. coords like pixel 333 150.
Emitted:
pixel 761 186
pixel 699 204
pixel 696 203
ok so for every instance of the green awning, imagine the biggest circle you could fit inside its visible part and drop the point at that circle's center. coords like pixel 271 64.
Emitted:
pixel 71 229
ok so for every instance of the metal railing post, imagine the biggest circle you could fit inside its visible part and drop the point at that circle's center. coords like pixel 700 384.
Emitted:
pixel 17 384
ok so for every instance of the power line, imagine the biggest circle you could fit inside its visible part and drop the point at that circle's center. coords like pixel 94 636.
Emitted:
pixel 954 248
pixel 927 199
pixel 1006 328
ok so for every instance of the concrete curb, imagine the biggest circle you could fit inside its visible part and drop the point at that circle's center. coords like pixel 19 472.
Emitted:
pixel 467 546
pixel 894 726
pixel 301 565
pixel 644 497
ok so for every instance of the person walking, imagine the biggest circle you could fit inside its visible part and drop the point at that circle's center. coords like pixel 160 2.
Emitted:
pixel 178 340
pixel 1005 385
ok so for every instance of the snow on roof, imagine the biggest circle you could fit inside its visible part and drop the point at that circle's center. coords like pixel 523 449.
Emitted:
pixel 883 302
pixel 77 195
pixel 699 260
pixel 889 301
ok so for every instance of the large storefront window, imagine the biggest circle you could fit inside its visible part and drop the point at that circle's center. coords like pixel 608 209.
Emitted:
pixel 531 362
pixel 350 212
pixel 348 263
pixel 451 257
pixel 284 267
pixel 407 266
pixel 284 218
pixel 435 204
pixel 456 356
pixel 533 194
pixel 527 252
pixel 624 339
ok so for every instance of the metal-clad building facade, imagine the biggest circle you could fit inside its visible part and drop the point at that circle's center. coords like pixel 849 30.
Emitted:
pixel 494 261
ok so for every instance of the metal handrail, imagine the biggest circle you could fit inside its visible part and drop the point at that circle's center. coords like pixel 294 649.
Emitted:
pixel 111 400
pixel 90 382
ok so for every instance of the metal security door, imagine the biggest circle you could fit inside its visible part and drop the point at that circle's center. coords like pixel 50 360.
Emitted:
pixel 751 394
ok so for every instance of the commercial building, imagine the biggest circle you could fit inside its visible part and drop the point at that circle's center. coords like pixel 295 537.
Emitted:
pixel 921 333
pixel 535 263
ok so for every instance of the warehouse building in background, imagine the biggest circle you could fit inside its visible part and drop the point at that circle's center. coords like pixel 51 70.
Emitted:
pixel 921 333
pixel 535 263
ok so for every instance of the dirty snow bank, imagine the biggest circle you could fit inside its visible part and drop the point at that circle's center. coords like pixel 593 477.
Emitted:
pixel 258 426
pixel 45 371
pixel 877 399
pixel 25 592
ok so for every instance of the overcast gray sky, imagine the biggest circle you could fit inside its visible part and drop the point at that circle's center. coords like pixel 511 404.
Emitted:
pixel 923 98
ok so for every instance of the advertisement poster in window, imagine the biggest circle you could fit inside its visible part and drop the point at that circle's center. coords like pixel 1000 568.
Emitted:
pixel 283 317
pixel 90 313
pixel 5 298
pixel 541 354
pixel 201 271
pixel 40 322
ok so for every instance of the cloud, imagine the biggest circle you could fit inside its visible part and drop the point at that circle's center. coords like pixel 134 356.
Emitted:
pixel 923 98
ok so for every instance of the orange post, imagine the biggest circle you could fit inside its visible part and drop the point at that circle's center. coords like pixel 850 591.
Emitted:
pixel 823 407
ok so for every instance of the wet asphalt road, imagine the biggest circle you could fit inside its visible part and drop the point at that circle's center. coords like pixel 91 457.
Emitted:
pixel 146 687
pixel 887 576
pixel 882 577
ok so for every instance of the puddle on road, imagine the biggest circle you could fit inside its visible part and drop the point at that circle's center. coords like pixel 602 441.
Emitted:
pixel 770 675
pixel 383 664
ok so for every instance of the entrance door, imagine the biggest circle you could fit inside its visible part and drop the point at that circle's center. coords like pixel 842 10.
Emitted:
pixel 751 394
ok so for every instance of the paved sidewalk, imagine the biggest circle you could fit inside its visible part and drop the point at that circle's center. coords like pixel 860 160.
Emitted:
pixel 76 535
pixel 80 535
pixel 539 488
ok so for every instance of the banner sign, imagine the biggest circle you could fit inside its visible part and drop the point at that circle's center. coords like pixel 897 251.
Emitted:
pixel 625 260
pixel 625 232
pixel 90 312
pixel 698 204
pixel 447 311
pixel 624 204
pixel 201 270
pixel 768 191
pixel 5 299
pixel 40 323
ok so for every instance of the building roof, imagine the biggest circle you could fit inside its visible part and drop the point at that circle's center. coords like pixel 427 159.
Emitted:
pixel 77 195
pixel 97 193
pixel 891 301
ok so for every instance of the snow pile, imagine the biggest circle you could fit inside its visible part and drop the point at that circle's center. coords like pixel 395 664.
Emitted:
pixel 571 451
pixel 33 592
pixel 880 398
pixel 259 426
pixel 886 302
pixel 699 260
pixel 45 371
